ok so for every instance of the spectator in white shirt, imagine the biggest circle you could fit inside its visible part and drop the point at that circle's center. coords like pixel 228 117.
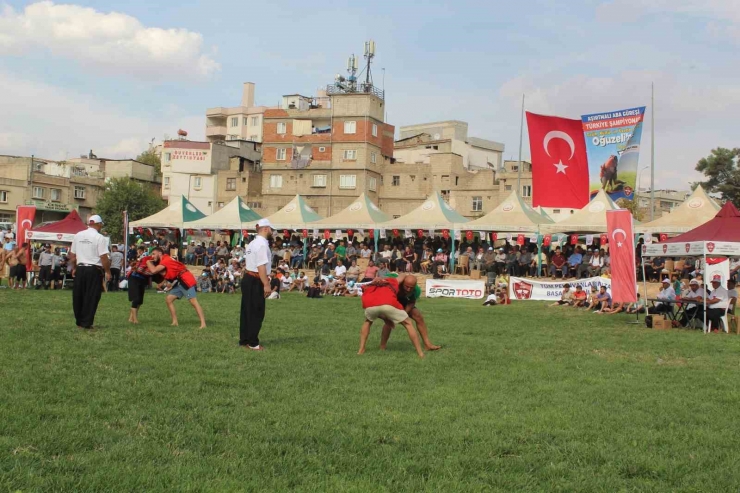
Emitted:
pixel 666 293
pixel 596 263
pixel 695 293
pixel 340 270
pixel 717 302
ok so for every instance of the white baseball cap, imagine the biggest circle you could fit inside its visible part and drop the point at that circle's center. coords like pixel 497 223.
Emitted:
pixel 667 281
pixel 95 219
pixel 264 223
pixel 694 281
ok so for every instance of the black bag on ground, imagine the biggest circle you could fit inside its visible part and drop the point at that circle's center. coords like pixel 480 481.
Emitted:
pixel 649 321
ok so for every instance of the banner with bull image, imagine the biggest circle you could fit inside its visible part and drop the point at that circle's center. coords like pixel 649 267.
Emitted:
pixel 529 289
pixel 613 148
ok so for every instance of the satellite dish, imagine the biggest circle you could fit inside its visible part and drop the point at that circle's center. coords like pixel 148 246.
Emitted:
pixel 437 136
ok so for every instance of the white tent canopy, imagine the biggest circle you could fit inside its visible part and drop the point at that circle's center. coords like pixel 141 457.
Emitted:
pixel 360 214
pixel 512 215
pixel 694 211
pixel 434 213
pixel 235 215
pixel 296 214
pixel 175 215
pixel 590 219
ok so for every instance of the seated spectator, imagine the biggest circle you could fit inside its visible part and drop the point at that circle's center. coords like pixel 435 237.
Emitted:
pixel 580 298
pixel 274 288
pixel 732 295
pixel 501 260
pixel 666 293
pixel 694 296
pixel 558 262
pixel 604 299
pixel 299 282
pixel 190 253
pixel 502 281
pixel 512 261
pixel 210 254
pixel 489 261
pixel 353 290
pixel 654 268
pixel 426 260
pixel 296 259
pixel 607 269
pixel 340 287
pixel 365 252
pixel 371 272
pixel 593 299
pixel 222 251
pixel 353 272
pixel 566 298
pixel 439 266
pixel 314 290
pixel 340 270
pixel 638 306
pixel 351 253
pixel 533 265
pixel 383 271
pixel 574 261
pixel 204 282
pixel 582 270
pixel 200 253
pixel 596 264
pixel 615 308
pixel 734 268
pixel 525 260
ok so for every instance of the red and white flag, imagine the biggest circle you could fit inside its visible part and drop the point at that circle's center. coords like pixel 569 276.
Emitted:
pixel 622 253
pixel 559 162
pixel 24 216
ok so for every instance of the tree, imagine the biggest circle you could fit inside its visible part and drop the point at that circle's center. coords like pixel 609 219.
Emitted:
pixel 124 194
pixel 632 206
pixel 722 168
pixel 150 157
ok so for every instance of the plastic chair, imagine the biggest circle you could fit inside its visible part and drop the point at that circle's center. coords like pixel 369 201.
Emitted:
pixel 464 265
pixel 723 321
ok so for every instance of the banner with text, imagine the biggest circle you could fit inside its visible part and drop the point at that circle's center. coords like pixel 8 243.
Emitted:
pixel 438 288
pixel 529 289
pixel 613 147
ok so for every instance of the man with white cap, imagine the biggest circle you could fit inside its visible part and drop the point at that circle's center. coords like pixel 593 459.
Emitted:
pixel 90 262
pixel 695 298
pixel 716 302
pixel 666 293
pixel 255 286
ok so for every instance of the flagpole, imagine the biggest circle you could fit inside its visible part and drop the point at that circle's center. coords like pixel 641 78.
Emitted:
pixel 521 138
pixel 652 151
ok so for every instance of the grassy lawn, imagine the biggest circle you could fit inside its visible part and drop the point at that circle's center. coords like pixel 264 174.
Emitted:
pixel 521 398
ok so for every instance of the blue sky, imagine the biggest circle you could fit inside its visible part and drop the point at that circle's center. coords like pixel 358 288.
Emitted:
pixel 111 76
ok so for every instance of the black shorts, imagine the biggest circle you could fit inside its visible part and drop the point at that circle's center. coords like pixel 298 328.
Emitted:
pixel 18 272
pixel 136 289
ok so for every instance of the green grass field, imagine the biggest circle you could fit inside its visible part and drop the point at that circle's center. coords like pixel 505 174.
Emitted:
pixel 521 398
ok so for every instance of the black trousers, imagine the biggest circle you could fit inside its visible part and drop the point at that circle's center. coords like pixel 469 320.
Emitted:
pixel 136 289
pixel 88 286
pixel 252 311
pixel 44 276
pixel 115 279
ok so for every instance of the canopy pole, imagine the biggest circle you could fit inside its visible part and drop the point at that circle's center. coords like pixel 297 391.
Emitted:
pixel 452 253
pixel 539 252
pixel 704 275
pixel 644 281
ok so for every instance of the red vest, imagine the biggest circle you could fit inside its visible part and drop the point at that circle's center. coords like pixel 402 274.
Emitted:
pixel 174 270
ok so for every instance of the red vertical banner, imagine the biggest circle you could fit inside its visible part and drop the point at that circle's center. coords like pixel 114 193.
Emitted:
pixel 420 233
pixel 446 234
pixel 663 237
pixel 469 235
pixel 520 240
pixel 573 239
pixel 494 237
pixel 547 240
pixel 304 233
pixel 604 239
pixel 24 216
pixel 622 253
pixel 372 233
pixel 395 233
pixel 350 233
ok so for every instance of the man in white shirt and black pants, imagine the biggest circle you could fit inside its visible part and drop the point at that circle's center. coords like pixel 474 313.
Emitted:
pixel 255 287
pixel 90 260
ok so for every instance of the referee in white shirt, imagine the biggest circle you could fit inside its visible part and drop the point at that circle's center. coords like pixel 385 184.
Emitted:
pixel 90 259
pixel 255 287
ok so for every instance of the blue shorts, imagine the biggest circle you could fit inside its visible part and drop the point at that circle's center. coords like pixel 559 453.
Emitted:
pixel 180 290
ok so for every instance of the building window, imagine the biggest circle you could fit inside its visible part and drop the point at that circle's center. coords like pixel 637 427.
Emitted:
pixel 507 188
pixel 515 168
pixel 281 154
pixel 347 181
pixel 396 181
pixel 4 196
pixel 665 205
pixel 350 127
pixel 255 121
pixel 166 157
pixel 373 158
pixel 197 182
pixel 556 211
pixel 78 171
pixel 375 130
pixel 282 128
pixel 56 195
pixel 350 155
pixel 230 184
pixel 38 193
pixel 235 121
pixel 526 190
pixel 322 149
pixel 372 184
pixel 167 182
pixel 319 181
pixel 221 204
pixel 79 192
pixel 477 204
pixel 244 121
pixel 253 138
pixel 276 181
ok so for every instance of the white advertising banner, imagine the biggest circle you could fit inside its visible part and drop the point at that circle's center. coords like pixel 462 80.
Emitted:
pixel 472 290
pixel 717 248
pixel 529 289
pixel 42 236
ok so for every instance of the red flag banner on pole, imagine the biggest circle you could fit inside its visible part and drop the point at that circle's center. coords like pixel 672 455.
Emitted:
pixel 494 237
pixel 663 237
pixel 559 161
pixel 573 239
pixel 622 252
pixel 24 216
pixel 603 240
pixel 547 240
pixel 520 240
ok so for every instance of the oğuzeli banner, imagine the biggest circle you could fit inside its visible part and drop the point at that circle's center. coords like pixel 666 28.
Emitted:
pixel 438 288
pixel 613 148
pixel 529 289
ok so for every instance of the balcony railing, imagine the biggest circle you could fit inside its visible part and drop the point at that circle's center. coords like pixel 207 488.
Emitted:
pixel 362 88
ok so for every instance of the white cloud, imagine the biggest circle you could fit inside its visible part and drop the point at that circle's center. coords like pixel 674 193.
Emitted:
pixel 692 116
pixel 56 123
pixel 111 42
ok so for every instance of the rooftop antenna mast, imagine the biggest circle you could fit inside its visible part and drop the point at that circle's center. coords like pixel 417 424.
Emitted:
pixel 352 71
pixel 369 55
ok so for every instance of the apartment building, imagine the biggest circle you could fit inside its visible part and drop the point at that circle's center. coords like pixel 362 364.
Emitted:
pixel 665 201
pixel 192 169
pixel 329 148
pixel 242 122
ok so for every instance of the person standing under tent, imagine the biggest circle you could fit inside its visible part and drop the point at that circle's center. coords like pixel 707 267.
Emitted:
pixel 255 287
pixel 90 262
pixel 183 283
pixel 46 259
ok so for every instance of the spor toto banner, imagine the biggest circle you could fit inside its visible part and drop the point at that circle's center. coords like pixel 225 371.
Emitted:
pixel 438 288
pixel 528 289
pixel 613 148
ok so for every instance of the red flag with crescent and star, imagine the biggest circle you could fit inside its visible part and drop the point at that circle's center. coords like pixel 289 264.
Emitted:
pixel 559 161
pixel 622 253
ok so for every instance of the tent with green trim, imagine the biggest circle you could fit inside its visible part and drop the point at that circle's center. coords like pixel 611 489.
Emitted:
pixel 360 214
pixel 175 215
pixel 295 215
pixel 511 216
pixel 696 210
pixel 434 213
pixel 590 219
pixel 236 215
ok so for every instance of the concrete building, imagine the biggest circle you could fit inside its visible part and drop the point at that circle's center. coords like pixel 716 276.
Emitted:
pixel 665 201
pixel 191 169
pixel 242 122
pixel 329 148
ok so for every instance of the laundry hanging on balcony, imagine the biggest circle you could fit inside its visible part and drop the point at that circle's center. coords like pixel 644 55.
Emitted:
pixel 302 156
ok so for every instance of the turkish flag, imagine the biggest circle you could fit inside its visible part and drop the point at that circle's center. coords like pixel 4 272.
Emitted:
pixel 395 232
pixel 663 237
pixel 372 233
pixel 327 234
pixel 559 162
pixel 547 240
pixel 520 239
pixel 350 233
pixel 304 233
pixel 573 239
pixel 603 240
pixel 420 233
pixel 494 237
pixel 445 233
pixel 469 235
pixel 24 216
pixel 622 252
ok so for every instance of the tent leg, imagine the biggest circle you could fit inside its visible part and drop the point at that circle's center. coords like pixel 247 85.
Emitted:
pixel 704 275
